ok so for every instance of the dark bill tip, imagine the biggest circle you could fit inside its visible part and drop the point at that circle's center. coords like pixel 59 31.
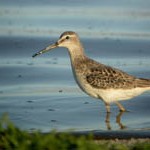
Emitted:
pixel 46 49
pixel 35 55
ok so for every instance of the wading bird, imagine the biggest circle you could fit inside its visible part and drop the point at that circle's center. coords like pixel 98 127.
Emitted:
pixel 96 79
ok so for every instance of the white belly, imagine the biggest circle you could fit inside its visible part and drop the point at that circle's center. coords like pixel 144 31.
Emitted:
pixel 110 95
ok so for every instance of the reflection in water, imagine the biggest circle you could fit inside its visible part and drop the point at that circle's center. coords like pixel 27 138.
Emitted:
pixel 118 121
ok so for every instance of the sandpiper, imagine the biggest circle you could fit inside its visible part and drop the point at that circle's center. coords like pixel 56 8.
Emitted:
pixel 96 79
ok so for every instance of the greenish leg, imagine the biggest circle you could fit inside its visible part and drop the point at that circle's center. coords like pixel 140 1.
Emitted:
pixel 122 109
pixel 107 105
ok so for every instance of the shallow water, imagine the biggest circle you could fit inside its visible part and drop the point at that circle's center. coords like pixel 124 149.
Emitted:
pixel 41 93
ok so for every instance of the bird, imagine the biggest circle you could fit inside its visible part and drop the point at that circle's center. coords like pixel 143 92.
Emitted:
pixel 96 79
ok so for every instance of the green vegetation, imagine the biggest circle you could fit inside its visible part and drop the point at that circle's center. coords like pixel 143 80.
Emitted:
pixel 12 138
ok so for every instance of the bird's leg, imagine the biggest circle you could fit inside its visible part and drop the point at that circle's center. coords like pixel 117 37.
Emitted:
pixel 107 105
pixel 122 109
pixel 107 120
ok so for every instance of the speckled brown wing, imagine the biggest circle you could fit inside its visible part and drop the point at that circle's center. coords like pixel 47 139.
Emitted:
pixel 106 77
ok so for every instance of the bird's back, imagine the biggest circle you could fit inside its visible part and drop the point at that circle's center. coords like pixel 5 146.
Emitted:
pixel 102 76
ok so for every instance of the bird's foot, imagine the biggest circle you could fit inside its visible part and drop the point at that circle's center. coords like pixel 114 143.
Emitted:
pixel 124 110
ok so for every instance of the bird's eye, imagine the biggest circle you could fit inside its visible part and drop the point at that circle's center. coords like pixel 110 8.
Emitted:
pixel 67 37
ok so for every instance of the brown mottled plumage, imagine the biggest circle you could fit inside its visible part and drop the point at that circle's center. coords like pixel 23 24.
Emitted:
pixel 96 79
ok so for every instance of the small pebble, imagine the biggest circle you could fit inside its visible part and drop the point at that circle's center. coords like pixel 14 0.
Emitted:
pixel 19 76
pixel 60 91
pixel 86 102
pixel 29 101
pixel 50 109
pixel 53 121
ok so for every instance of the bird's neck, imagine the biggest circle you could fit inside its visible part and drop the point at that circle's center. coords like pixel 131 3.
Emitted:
pixel 78 60
pixel 76 52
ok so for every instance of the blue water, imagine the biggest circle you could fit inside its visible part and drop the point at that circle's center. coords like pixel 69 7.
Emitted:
pixel 41 93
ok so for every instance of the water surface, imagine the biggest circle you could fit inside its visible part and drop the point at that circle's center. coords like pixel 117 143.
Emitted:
pixel 41 93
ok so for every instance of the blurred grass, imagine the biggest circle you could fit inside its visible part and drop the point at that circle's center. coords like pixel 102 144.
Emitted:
pixel 12 138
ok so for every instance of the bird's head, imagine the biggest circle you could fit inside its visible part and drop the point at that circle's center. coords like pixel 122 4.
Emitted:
pixel 68 39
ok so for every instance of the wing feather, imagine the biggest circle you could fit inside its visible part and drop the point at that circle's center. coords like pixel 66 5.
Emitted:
pixel 107 77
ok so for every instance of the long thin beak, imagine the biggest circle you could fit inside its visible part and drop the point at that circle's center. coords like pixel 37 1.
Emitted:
pixel 46 49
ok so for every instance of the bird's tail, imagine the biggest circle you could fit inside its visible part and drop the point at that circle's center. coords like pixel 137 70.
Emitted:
pixel 141 82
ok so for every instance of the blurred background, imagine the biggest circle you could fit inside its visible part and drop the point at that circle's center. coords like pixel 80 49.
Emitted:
pixel 104 18
pixel 41 93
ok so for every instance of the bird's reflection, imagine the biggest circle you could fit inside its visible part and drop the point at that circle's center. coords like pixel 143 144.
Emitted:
pixel 118 121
